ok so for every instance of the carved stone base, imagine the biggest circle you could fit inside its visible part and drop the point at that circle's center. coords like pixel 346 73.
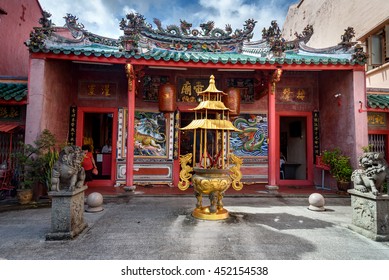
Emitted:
pixel 370 215
pixel 67 214
pixel 273 189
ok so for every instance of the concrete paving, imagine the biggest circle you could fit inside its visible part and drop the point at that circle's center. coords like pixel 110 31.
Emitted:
pixel 144 228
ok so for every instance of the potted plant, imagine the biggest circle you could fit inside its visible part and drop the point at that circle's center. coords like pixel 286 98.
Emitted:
pixel 34 164
pixel 340 167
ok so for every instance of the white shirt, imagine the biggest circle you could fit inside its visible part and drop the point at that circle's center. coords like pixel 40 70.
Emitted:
pixel 106 149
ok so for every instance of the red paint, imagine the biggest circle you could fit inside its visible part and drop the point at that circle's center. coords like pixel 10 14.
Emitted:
pixel 309 148
pixel 79 139
pixel 130 132
pixel 272 127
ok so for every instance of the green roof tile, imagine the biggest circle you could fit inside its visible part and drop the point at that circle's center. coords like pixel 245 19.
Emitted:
pixel 380 101
pixel 205 57
pixel 13 91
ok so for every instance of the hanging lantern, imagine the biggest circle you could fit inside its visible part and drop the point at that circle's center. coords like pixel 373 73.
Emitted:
pixel 232 100
pixel 167 98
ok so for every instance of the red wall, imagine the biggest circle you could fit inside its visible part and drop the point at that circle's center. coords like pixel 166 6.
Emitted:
pixel 15 28
pixel 57 101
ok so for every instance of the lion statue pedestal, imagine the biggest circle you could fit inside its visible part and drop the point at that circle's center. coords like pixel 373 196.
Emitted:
pixel 370 215
pixel 67 195
pixel 67 214
pixel 370 206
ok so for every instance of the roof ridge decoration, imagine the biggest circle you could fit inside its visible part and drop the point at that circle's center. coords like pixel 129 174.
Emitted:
pixel 77 30
pixel 206 44
pixel 273 37
pixel 40 34
pixel 277 44
pixel 139 36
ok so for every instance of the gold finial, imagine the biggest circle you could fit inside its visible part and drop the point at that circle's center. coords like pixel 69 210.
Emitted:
pixel 211 87
pixel 212 80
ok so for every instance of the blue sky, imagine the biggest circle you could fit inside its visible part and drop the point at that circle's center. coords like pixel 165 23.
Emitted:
pixel 102 17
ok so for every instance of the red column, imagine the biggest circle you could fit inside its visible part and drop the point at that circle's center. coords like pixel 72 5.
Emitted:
pixel 272 168
pixel 130 125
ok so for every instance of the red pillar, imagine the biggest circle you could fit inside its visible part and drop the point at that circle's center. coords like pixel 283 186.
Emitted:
pixel 130 127
pixel 272 168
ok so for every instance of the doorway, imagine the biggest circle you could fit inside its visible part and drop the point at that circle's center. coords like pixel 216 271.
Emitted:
pixel 98 127
pixel 293 148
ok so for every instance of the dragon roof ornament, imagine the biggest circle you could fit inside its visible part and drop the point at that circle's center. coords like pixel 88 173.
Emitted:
pixel 138 33
pixel 79 33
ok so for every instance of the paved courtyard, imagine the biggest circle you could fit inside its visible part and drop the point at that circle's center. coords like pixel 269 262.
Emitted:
pixel 144 228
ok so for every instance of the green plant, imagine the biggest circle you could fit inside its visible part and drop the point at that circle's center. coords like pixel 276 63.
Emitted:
pixel 34 162
pixel 340 166
pixel 367 148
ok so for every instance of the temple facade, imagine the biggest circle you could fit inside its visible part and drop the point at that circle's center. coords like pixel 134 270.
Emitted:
pixel 287 100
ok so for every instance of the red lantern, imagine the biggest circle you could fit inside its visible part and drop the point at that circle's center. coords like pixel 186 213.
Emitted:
pixel 167 98
pixel 232 100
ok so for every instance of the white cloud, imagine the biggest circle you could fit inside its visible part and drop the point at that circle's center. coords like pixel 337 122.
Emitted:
pixel 102 17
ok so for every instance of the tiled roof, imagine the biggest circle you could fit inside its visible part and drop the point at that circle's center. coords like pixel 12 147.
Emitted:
pixel 379 101
pixel 184 44
pixel 13 91
pixel 205 57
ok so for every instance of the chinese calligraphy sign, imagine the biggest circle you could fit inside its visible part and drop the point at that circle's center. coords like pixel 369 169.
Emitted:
pixel 316 134
pixel 10 112
pixel 97 90
pixel 188 88
pixel 293 95
pixel 376 119
pixel 72 125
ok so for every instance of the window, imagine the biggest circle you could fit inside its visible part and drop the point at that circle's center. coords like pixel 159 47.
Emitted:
pixel 378 143
pixel 378 48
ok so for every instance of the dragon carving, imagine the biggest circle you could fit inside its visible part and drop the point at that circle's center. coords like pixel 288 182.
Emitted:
pixel 185 27
pixel 185 173
pixel 236 174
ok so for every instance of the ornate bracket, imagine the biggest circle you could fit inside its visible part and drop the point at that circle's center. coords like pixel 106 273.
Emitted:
pixel 276 77
pixel 130 75
pixel 185 173
pixel 236 174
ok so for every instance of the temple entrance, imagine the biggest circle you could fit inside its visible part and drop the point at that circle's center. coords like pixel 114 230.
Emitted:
pixel 293 148
pixel 99 132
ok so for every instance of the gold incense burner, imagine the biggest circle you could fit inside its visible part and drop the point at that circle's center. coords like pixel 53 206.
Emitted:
pixel 214 168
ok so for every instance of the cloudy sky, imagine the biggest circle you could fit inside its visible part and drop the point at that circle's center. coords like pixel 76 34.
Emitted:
pixel 102 17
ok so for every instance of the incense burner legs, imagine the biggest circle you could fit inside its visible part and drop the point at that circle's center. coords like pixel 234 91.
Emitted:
pixel 213 183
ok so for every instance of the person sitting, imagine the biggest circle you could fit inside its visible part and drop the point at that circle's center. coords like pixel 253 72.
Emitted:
pixel 282 166
pixel 107 148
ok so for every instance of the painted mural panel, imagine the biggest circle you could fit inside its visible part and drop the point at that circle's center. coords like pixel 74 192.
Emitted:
pixel 150 135
pixel 252 141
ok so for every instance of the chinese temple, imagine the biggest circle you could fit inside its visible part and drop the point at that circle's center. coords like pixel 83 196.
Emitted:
pixel 286 100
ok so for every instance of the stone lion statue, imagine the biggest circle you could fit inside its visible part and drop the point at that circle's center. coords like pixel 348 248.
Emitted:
pixel 68 174
pixel 372 175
